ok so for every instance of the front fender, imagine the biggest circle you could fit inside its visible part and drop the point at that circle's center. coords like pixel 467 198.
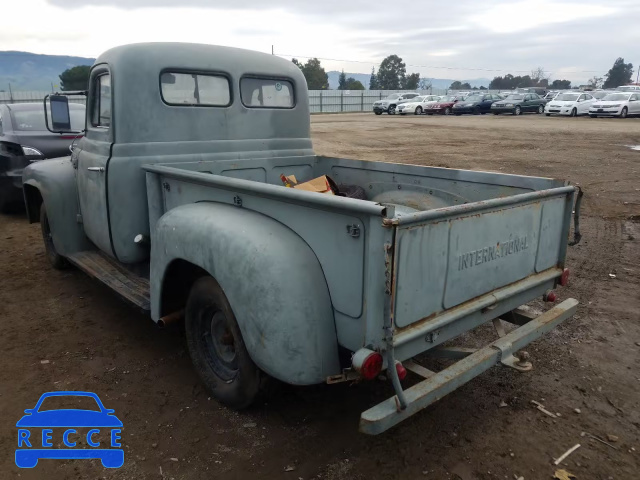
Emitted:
pixel 56 181
pixel 271 277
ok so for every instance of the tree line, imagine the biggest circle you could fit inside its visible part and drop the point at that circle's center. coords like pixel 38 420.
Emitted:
pixel 392 75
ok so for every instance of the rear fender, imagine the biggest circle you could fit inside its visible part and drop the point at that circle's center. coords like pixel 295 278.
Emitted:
pixel 54 183
pixel 271 277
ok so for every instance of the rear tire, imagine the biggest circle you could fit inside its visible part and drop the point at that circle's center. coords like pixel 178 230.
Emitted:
pixel 217 348
pixel 476 111
pixel 56 260
pixel 378 113
pixel 540 109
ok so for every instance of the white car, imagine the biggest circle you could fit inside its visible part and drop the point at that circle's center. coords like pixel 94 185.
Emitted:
pixel 390 103
pixel 416 105
pixel 619 104
pixel 570 103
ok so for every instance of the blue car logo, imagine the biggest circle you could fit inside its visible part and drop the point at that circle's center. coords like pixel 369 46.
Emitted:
pixel 34 444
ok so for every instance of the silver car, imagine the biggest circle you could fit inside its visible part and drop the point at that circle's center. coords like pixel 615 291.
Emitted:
pixel 390 103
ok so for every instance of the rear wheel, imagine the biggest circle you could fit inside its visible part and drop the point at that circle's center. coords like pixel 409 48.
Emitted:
pixel 377 112
pixel 56 260
pixel 540 109
pixel 418 111
pixel 216 346
pixel 476 111
pixel 623 113
pixel 517 110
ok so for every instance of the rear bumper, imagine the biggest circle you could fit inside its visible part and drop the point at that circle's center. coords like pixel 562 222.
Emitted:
pixel 387 414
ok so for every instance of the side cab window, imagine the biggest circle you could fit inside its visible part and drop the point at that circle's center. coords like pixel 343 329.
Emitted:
pixel 101 101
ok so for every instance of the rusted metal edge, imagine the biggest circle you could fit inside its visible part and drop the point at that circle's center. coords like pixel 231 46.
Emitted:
pixel 439 213
pixel 385 415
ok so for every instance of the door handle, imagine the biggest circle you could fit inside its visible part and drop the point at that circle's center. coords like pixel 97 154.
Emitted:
pixel 96 169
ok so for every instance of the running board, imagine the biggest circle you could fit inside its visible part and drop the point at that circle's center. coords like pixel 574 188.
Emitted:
pixel 130 286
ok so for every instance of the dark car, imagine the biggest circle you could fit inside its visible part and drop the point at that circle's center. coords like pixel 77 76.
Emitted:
pixel 443 106
pixel 24 138
pixel 479 103
pixel 518 103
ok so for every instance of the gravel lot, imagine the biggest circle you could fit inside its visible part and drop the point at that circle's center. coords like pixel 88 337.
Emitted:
pixel 487 429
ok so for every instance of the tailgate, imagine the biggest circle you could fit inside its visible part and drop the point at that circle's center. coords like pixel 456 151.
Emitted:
pixel 447 256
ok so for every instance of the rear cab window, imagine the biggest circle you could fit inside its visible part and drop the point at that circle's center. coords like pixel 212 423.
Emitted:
pixel 195 89
pixel 260 92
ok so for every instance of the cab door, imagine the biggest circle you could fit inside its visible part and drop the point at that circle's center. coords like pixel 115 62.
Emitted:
pixel 93 160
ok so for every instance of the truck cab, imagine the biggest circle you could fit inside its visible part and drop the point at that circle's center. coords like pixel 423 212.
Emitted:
pixel 173 199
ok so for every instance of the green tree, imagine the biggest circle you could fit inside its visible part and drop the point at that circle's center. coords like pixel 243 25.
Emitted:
pixel 313 72
pixel 620 74
pixel 373 80
pixel 412 81
pixel 342 81
pixel 353 84
pixel 458 85
pixel 391 73
pixel 561 84
pixel 75 78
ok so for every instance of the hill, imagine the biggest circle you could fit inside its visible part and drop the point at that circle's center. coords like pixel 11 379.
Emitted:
pixel 31 71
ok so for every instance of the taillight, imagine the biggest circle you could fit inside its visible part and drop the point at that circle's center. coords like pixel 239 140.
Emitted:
pixel 402 372
pixel 367 363
pixel 549 296
pixel 564 278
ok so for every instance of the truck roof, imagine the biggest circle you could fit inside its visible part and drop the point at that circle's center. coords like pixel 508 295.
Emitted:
pixel 141 115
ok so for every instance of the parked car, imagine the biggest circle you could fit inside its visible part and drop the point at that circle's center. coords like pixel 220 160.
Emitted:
pixel 24 138
pixel 628 88
pixel 619 104
pixel 443 106
pixel 476 103
pixel 570 103
pixel 416 105
pixel 390 103
pixel 270 281
pixel 600 94
pixel 550 96
pixel 518 103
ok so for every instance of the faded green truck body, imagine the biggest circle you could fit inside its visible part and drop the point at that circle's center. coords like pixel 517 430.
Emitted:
pixel 431 253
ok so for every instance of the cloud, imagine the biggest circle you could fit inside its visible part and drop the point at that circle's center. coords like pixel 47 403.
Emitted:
pixel 450 40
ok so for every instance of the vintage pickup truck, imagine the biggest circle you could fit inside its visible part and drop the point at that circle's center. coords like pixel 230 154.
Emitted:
pixel 173 199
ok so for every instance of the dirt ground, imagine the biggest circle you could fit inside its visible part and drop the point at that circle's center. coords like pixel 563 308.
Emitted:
pixel 62 331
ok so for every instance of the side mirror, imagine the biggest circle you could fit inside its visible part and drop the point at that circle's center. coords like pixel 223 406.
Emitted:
pixel 60 117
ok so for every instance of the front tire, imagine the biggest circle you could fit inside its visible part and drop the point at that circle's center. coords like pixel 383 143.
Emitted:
pixel 56 260
pixel 217 348
pixel 391 110
pixel 540 109
pixel 574 112
pixel 377 112
pixel 623 113
pixel 447 111
pixel 517 111
pixel 418 111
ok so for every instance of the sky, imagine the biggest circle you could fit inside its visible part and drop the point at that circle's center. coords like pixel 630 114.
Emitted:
pixel 464 39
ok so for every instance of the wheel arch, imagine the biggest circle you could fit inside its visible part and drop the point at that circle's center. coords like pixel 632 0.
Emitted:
pixel 270 276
